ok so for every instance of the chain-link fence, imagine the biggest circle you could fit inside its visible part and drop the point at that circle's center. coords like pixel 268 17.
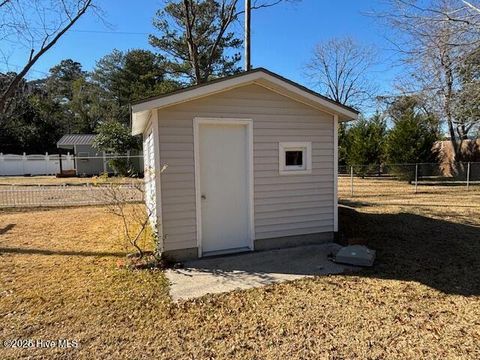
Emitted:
pixel 27 195
pixel 369 179
pixel 69 180
pixel 72 185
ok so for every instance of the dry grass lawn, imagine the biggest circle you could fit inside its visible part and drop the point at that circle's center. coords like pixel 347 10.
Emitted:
pixel 59 280
pixel 452 203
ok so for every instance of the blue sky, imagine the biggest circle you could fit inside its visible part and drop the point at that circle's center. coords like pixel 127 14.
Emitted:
pixel 282 36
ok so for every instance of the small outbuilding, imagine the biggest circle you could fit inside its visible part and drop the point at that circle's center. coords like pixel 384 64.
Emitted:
pixel 241 163
pixel 88 161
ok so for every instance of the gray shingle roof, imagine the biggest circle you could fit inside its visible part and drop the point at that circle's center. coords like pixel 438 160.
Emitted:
pixel 76 139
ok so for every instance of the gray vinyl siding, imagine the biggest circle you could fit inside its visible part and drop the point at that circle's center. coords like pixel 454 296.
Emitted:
pixel 284 205
pixel 91 162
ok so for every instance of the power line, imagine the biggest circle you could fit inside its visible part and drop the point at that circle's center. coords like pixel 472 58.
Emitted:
pixel 18 67
pixel 83 31
pixel 111 32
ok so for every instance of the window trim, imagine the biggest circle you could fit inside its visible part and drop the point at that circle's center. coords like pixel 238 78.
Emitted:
pixel 305 147
pixel 83 156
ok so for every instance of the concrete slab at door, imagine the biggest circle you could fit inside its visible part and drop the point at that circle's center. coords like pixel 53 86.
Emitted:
pixel 254 269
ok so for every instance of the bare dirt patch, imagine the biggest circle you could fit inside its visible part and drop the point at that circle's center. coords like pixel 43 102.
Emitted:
pixel 59 279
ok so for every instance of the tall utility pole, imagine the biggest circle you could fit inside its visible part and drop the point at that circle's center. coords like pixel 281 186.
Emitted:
pixel 248 11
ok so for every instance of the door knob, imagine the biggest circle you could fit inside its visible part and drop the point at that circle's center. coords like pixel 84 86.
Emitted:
pixel 204 197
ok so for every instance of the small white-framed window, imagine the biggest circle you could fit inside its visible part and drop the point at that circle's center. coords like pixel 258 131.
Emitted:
pixel 295 158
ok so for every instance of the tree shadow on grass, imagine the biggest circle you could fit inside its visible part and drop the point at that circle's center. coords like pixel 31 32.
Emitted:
pixel 7 228
pixel 355 203
pixel 440 254
pixel 32 251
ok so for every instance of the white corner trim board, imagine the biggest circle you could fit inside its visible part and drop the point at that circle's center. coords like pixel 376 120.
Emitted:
pixel 335 173
pixel 248 123
pixel 158 169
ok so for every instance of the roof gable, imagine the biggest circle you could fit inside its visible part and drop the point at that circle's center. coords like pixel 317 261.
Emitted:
pixel 276 83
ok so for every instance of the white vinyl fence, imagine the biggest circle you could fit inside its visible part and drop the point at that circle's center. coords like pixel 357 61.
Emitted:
pixel 19 165
pixel 66 195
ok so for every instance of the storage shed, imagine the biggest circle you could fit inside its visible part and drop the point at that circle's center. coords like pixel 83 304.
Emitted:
pixel 88 161
pixel 251 163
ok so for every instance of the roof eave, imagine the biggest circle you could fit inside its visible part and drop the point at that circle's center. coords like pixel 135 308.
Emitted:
pixel 140 121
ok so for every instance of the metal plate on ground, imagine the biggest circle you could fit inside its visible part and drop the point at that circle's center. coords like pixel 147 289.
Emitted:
pixel 357 255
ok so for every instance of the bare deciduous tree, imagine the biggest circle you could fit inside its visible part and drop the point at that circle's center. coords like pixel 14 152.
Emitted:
pixel 461 11
pixel 340 67
pixel 4 2
pixel 472 6
pixel 434 38
pixel 36 26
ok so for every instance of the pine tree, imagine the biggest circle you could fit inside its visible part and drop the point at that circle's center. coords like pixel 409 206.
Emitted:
pixel 366 140
pixel 195 41
pixel 411 140
pixel 414 132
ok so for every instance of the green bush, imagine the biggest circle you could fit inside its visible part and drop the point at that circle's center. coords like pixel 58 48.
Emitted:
pixel 114 137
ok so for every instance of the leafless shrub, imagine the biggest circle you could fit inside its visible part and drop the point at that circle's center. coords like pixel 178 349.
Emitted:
pixel 138 218
pixel 121 199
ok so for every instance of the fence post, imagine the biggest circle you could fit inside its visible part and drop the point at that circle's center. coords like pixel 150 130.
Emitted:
pixel 47 165
pixel 13 193
pixel 468 175
pixel 104 162
pixel 351 179
pixel 416 177
pixel 24 161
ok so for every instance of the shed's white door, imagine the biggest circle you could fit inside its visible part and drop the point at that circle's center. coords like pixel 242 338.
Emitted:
pixel 224 167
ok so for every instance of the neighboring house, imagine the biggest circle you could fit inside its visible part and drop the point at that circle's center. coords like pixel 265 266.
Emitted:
pixel 88 160
pixel 252 164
